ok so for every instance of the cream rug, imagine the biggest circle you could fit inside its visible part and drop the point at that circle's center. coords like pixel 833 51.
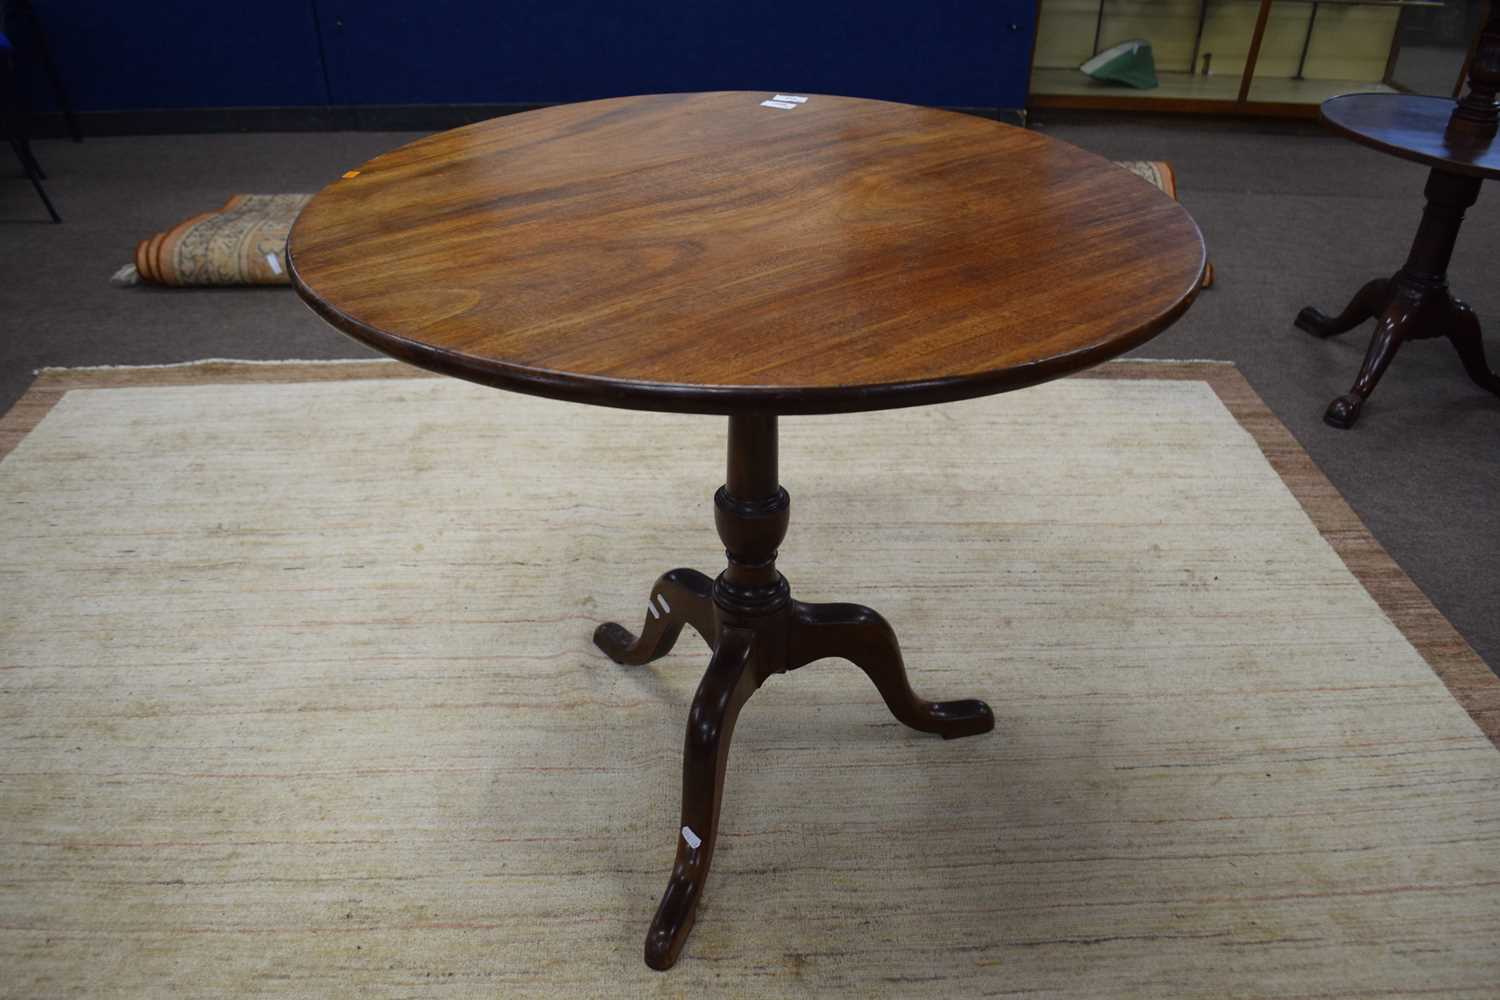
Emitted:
pixel 297 698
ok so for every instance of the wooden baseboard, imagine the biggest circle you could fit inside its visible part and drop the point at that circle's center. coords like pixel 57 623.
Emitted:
pixel 1172 105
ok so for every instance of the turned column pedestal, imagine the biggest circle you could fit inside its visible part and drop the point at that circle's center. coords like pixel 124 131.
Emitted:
pixel 755 629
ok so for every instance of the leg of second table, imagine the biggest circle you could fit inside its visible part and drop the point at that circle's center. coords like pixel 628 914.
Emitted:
pixel 1367 302
pixel 1417 302
pixel 1389 332
pixel 1466 339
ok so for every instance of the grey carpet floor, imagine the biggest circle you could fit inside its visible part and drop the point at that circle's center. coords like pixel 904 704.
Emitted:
pixel 1291 216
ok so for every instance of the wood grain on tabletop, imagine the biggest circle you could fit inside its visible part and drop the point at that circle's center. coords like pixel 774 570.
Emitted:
pixel 1413 128
pixel 703 252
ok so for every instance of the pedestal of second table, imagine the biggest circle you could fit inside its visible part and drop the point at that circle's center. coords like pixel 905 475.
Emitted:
pixel 1414 304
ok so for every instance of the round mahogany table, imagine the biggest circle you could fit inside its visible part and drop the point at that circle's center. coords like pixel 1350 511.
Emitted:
pixel 710 253
pixel 1414 303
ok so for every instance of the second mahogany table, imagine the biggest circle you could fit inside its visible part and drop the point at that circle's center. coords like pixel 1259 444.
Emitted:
pixel 711 253
pixel 1415 303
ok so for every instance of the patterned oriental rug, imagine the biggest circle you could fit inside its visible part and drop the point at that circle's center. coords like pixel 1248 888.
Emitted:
pixel 299 699
pixel 244 242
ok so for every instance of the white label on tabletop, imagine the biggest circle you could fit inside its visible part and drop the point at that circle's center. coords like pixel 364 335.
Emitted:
pixel 777 104
pixel 275 264
pixel 790 97
pixel 693 840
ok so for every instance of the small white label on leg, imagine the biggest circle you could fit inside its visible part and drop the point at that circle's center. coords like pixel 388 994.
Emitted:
pixel 274 264
pixel 665 607
pixel 693 840
pixel 652 608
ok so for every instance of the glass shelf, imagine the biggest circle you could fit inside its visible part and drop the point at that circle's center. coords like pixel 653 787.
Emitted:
pixel 1257 56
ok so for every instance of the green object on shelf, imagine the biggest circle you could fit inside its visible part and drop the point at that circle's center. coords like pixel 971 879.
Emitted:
pixel 1130 63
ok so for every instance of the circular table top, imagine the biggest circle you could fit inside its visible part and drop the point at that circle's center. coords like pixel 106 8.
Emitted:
pixel 1413 128
pixel 707 253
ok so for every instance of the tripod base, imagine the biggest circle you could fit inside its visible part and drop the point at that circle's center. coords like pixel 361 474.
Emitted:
pixel 747 651
pixel 1414 304
pixel 755 630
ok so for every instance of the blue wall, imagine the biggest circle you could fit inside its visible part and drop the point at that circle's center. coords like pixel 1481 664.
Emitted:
pixel 964 53
pixel 178 54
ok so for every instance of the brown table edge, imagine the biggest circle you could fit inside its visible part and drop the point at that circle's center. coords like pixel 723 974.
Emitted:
pixel 1390 149
pixel 664 397
pixel 1471 683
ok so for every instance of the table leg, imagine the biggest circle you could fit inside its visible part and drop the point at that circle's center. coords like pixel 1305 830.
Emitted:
pixel 756 630
pixel 1367 302
pixel 731 679
pixel 680 597
pixel 1395 322
pixel 1414 304
pixel 864 638
pixel 1470 346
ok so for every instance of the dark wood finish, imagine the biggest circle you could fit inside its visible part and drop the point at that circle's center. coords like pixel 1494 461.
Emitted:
pixel 861 636
pixel 756 630
pixel 680 597
pixel 1253 56
pixel 1413 128
pixel 1414 304
pixel 700 252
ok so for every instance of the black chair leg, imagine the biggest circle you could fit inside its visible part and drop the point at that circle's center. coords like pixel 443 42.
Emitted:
pixel 25 8
pixel 28 159
pixel 13 122
pixel 28 162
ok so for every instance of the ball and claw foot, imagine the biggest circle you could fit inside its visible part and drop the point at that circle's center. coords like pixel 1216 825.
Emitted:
pixel 1344 411
pixel 1369 301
